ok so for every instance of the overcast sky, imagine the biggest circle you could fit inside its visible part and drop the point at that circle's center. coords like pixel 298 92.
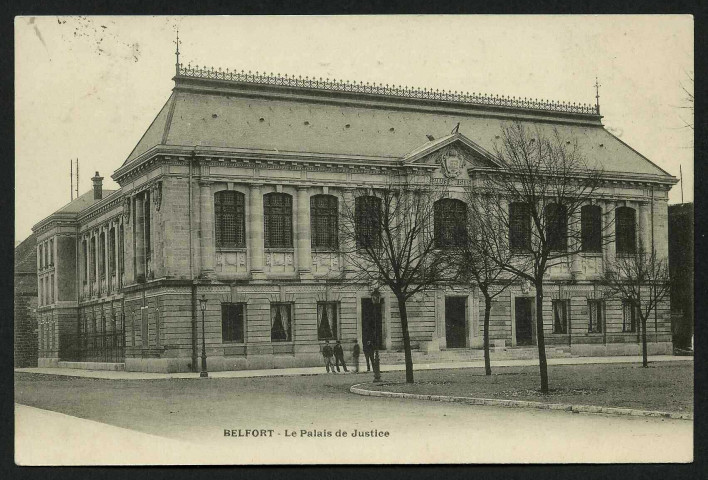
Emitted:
pixel 88 87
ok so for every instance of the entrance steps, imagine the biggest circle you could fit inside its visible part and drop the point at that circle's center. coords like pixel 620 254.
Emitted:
pixel 472 354
pixel 116 367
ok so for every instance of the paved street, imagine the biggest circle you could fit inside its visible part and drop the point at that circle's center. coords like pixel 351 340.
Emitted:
pixel 197 411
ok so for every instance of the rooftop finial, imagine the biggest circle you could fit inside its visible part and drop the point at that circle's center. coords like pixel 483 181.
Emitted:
pixel 177 53
pixel 597 96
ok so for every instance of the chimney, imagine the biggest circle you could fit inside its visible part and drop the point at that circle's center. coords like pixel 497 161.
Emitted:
pixel 97 187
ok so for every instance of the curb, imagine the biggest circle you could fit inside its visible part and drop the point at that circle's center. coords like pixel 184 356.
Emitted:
pixel 358 390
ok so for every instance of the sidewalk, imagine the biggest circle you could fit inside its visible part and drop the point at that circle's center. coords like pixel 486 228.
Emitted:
pixel 43 437
pixel 287 372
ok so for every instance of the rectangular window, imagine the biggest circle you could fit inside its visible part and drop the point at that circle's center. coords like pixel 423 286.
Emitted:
pixel 595 316
pixel 556 227
pixel 625 230
pixel 327 320
pixel 51 252
pixel 324 222
pixel 591 228
pixel 147 219
pixel 84 258
pixel 51 289
pixel 92 260
pixel 560 316
pixel 278 220
pixel 232 322
pixel 367 211
pixel 629 316
pixel 41 256
pixel 519 227
pixel 230 215
pixel 145 326
pixel 280 322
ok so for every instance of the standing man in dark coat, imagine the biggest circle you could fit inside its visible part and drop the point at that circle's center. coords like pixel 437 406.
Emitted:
pixel 355 353
pixel 327 354
pixel 339 356
pixel 369 355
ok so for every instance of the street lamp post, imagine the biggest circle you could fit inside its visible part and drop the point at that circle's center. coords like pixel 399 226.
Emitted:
pixel 376 300
pixel 203 305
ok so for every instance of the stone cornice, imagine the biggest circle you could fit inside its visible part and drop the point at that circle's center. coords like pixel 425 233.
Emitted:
pixel 101 207
pixel 609 178
pixel 175 155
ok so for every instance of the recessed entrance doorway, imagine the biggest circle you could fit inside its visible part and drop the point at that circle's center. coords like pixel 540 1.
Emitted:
pixel 371 323
pixel 455 331
pixel 524 320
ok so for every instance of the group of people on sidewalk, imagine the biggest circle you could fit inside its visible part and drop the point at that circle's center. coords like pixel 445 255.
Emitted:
pixel 338 353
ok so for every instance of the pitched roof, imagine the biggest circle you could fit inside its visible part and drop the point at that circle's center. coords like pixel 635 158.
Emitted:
pixel 82 202
pixel 302 122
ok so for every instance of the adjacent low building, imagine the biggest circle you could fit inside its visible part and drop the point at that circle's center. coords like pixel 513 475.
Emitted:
pixel 25 338
pixel 233 195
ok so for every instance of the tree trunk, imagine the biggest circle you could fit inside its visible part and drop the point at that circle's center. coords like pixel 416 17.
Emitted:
pixel 645 362
pixel 406 339
pixel 540 340
pixel 487 313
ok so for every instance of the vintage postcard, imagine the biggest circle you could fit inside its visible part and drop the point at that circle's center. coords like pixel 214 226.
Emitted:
pixel 353 240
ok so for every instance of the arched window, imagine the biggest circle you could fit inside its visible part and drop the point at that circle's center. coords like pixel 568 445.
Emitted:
pixel 591 228
pixel 323 222
pixel 450 222
pixel 368 221
pixel 102 255
pixel 625 230
pixel 519 227
pixel 230 219
pixel 278 220
pixel 556 227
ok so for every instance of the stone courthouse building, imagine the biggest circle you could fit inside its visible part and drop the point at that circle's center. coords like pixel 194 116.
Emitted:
pixel 234 194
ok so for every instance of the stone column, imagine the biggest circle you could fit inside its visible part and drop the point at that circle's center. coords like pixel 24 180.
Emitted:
pixel 139 234
pixel 206 226
pixel 107 255
pixel 97 258
pixel 255 232
pixel 304 235
pixel 610 245
pixel 644 227
pixel 117 253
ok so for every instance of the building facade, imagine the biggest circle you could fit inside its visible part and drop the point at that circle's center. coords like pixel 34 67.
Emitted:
pixel 233 195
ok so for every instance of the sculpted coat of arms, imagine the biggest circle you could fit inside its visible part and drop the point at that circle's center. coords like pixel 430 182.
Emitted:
pixel 452 162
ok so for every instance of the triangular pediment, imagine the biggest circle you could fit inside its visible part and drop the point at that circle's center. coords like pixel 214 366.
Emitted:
pixel 453 153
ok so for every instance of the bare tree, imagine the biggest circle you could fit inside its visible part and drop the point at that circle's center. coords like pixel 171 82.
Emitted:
pixel 688 99
pixel 482 256
pixel 545 182
pixel 641 279
pixel 389 241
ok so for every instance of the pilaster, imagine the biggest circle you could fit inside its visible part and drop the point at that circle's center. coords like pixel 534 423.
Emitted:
pixel 255 233
pixel 206 225
pixel 304 235
pixel 644 227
